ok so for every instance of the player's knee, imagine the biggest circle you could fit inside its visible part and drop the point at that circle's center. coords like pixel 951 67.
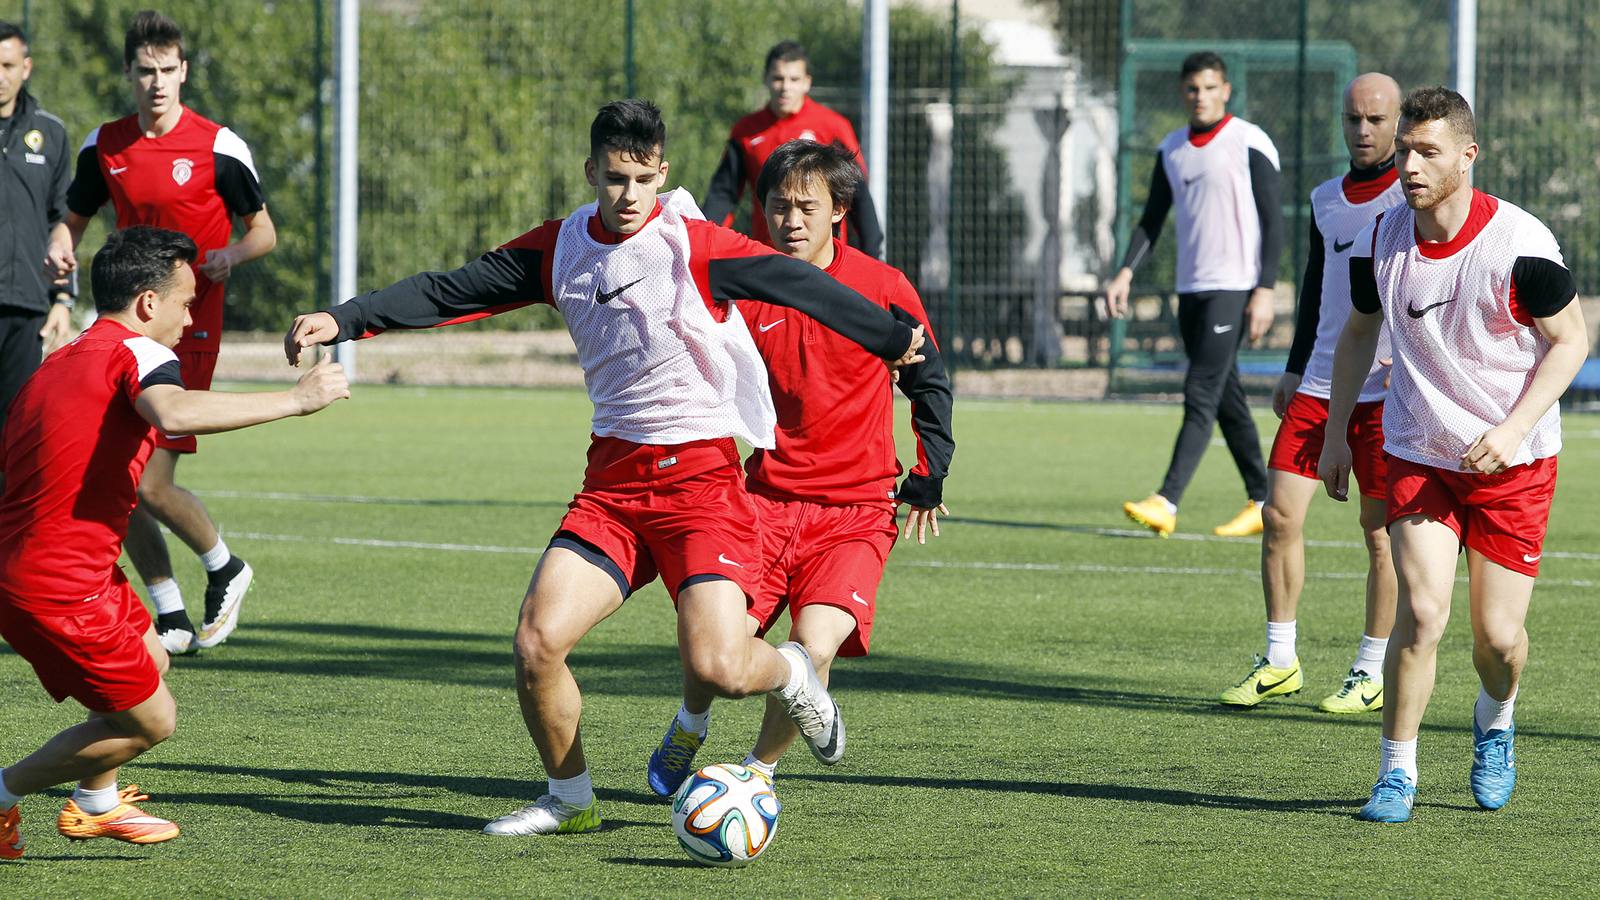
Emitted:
pixel 537 648
pixel 1498 642
pixel 718 670
pixel 1279 523
pixel 155 495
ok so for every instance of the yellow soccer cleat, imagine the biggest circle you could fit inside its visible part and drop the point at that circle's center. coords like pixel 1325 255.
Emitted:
pixel 125 823
pixel 1359 694
pixel 1152 512
pixel 1245 524
pixel 1265 681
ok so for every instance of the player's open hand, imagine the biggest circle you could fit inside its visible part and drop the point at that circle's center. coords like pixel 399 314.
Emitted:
pixel 1493 451
pixel 218 265
pixel 1117 290
pixel 1334 469
pixel 922 520
pixel 911 357
pixel 57 328
pixel 308 331
pixel 1258 314
pixel 320 387
pixel 1288 383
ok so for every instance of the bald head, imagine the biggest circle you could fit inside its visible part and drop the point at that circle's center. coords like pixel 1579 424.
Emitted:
pixel 1371 111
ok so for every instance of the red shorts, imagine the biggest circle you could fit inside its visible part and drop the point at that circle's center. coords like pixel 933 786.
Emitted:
pixel 196 367
pixel 1298 445
pixel 701 527
pixel 98 658
pixel 820 554
pixel 1502 516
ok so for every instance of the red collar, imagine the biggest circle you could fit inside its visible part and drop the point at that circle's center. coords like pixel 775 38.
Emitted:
pixel 597 229
pixel 1359 192
pixel 1483 209
pixel 1201 138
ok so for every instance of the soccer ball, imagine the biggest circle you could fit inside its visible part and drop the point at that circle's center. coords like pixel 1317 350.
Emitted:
pixel 725 815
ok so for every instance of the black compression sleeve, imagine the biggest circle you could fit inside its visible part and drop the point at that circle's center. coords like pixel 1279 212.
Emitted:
pixel 1544 287
pixel 1364 286
pixel 1309 312
pixel 927 385
pixel 495 282
pixel 727 184
pixel 865 234
pixel 88 192
pixel 1156 207
pixel 237 186
pixel 166 373
pixel 784 281
pixel 1265 185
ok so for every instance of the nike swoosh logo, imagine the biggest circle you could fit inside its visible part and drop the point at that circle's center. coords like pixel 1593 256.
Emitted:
pixel 1368 701
pixel 1532 559
pixel 857 598
pixel 608 296
pixel 1221 329
pixel 1415 313
pixel 116 171
pixel 770 325
pixel 1262 687
pixel 728 562
pixel 1189 181
pixel 1340 248
pixel 831 748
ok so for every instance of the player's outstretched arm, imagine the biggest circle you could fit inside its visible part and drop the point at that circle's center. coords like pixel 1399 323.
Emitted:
pixel 927 385
pixel 176 411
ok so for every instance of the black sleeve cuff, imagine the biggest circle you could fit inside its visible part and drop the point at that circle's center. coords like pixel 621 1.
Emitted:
pixel 921 491
pixel 1364 286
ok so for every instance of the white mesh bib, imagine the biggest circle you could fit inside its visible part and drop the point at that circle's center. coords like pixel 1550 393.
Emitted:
pixel 1461 360
pixel 658 367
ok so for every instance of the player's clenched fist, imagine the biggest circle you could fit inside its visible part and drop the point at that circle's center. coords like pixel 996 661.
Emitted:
pixel 308 331
pixel 320 387
pixel 1334 469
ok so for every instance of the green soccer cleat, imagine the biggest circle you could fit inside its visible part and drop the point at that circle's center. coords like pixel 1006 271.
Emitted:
pixel 1359 694
pixel 1265 681
pixel 547 815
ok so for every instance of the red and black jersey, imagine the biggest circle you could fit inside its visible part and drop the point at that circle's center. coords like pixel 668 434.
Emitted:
pixel 724 265
pixel 74 448
pixel 191 179
pixel 751 143
pixel 835 435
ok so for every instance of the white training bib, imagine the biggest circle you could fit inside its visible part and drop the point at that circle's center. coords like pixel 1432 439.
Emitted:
pixel 658 367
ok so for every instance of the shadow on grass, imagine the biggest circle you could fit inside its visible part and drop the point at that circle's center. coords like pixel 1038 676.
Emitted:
pixel 366 798
pixel 1083 791
pixel 653 863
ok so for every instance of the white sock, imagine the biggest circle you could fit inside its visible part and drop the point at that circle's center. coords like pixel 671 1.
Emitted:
pixel 97 802
pixel 7 799
pixel 166 596
pixel 217 556
pixel 753 762
pixel 1280 644
pixel 1369 657
pixel 1491 714
pixel 1400 755
pixel 698 723
pixel 577 792
pixel 1171 507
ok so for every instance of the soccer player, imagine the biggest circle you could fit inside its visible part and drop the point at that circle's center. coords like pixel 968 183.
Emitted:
pixel 1221 174
pixel 79 434
pixel 790 114
pixel 645 288
pixel 1486 339
pixel 1340 207
pixel 168 166
pixel 826 493
pixel 35 166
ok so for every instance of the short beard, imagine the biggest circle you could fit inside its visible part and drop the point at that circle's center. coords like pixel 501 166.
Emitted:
pixel 1446 187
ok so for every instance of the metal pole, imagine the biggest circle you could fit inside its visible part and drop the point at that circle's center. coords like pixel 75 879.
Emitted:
pixel 1299 148
pixel 628 52
pixel 1464 48
pixel 346 64
pixel 1125 104
pixel 875 104
pixel 952 309
pixel 320 129
pixel 27 27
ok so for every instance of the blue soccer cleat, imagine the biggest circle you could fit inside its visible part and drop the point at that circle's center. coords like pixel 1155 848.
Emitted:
pixel 673 761
pixel 1392 798
pixel 1494 766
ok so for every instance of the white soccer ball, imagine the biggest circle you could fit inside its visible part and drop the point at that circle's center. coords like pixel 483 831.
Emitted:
pixel 725 815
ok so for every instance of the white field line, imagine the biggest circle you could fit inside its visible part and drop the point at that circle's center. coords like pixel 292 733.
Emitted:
pixel 1075 568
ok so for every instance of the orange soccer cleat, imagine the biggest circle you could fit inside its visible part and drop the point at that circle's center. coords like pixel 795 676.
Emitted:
pixel 11 834
pixel 125 823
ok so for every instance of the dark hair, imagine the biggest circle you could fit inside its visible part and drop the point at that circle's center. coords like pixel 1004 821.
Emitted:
pixel 9 31
pixel 799 162
pixel 135 260
pixel 786 51
pixel 151 29
pixel 1200 61
pixel 631 127
pixel 1431 104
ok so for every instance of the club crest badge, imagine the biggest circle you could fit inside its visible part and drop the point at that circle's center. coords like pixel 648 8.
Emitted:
pixel 34 140
pixel 182 170
pixel 808 135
